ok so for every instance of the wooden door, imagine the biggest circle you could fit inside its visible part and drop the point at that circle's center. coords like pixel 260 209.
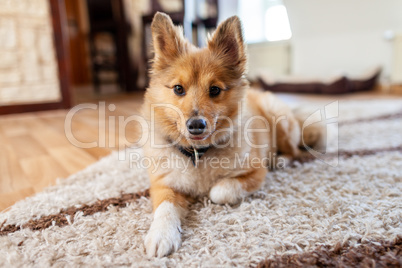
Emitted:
pixel 77 19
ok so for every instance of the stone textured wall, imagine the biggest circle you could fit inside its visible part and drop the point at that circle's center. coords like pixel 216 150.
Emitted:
pixel 28 66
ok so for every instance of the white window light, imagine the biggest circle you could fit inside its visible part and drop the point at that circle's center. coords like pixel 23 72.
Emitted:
pixel 264 20
pixel 252 17
pixel 277 24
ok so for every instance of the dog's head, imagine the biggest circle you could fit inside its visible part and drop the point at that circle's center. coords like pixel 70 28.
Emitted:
pixel 197 91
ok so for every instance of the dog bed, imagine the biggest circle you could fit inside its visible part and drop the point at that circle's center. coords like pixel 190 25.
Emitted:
pixel 336 85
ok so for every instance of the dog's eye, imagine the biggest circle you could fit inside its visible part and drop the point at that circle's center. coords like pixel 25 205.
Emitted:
pixel 214 91
pixel 179 90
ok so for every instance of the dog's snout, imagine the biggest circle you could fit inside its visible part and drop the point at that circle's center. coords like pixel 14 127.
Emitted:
pixel 196 126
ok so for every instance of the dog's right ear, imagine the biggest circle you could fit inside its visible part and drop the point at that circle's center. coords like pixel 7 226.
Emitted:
pixel 228 44
pixel 168 40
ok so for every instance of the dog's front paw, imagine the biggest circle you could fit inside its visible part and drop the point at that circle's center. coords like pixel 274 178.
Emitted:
pixel 162 240
pixel 164 236
pixel 227 191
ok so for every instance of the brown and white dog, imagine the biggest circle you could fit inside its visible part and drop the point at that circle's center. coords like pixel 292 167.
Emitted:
pixel 202 110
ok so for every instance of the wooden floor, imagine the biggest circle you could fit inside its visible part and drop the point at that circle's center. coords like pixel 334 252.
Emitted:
pixel 35 149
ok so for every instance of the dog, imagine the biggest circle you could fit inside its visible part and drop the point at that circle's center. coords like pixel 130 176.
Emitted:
pixel 203 112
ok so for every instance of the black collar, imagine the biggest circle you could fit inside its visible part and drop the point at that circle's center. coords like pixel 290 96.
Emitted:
pixel 194 153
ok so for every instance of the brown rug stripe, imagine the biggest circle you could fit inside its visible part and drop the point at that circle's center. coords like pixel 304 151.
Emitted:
pixel 60 219
pixel 370 254
pixel 306 157
pixel 371 119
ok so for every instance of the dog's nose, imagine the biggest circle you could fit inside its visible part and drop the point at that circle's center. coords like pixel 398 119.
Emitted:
pixel 196 126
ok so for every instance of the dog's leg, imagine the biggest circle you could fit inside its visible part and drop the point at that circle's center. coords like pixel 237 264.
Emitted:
pixel 232 190
pixel 164 235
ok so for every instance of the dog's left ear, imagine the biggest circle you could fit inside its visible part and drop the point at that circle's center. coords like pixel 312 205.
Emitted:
pixel 227 42
pixel 168 40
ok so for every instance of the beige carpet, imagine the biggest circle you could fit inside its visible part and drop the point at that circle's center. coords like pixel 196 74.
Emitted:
pixel 308 214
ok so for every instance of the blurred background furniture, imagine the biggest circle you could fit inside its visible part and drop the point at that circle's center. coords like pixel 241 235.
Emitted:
pixel 109 32
pixel 205 20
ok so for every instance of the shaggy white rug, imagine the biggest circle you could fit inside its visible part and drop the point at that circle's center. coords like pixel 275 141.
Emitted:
pixel 308 214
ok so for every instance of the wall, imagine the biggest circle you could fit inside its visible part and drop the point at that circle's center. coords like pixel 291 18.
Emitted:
pixel 28 67
pixel 268 59
pixel 342 36
pixel 396 75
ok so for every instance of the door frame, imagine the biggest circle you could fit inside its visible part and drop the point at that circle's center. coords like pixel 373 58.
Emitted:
pixel 60 40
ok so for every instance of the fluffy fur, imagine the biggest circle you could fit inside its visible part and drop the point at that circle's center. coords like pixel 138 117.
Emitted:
pixel 242 126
